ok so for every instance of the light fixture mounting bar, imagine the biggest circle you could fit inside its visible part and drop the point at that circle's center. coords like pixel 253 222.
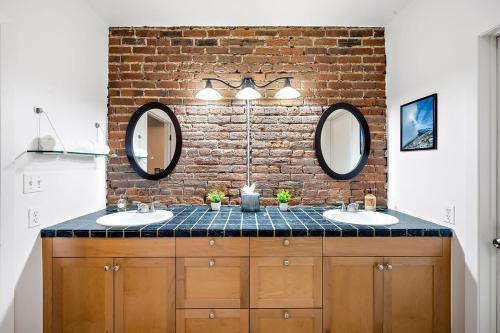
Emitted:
pixel 249 80
pixel 285 78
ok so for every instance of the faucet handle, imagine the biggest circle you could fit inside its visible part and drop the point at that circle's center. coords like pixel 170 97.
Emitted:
pixel 342 207
pixel 152 206
pixel 141 207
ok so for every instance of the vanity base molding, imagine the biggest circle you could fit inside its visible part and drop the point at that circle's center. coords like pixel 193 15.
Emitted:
pixel 242 285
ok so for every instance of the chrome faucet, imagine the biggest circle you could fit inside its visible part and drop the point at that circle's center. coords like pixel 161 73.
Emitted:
pixel 353 207
pixel 142 207
pixel 152 205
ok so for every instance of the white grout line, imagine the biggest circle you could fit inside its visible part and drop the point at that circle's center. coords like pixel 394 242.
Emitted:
pixel 305 226
pixel 191 229
pixel 272 223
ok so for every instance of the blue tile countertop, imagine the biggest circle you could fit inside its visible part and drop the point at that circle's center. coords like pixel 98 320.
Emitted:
pixel 199 221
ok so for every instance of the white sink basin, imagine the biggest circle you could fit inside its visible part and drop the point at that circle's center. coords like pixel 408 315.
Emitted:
pixel 360 218
pixel 133 218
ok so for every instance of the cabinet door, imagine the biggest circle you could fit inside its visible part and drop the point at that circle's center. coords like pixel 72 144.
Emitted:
pixel 212 321
pixel 289 321
pixel 82 295
pixel 353 295
pixel 415 294
pixel 144 295
pixel 285 282
pixel 212 283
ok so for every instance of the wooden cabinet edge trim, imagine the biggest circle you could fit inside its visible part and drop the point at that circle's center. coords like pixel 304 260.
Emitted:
pixel 47 253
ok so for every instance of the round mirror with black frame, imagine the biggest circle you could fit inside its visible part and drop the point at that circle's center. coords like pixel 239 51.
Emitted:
pixel 342 141
pixel 153 141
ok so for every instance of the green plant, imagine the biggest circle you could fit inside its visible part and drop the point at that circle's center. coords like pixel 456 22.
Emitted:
pixel 283 196
pixel 215 196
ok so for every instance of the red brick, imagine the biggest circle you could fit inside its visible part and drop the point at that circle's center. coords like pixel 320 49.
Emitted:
pixel 329 65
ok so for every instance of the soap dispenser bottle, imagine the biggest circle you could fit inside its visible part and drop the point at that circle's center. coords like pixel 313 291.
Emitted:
pixel 370 201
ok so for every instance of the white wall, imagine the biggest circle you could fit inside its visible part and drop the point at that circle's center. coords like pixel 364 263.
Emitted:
pixel 53 54
pixel 432 47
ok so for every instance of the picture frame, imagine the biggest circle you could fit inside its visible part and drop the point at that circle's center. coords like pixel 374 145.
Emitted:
pixel 418 124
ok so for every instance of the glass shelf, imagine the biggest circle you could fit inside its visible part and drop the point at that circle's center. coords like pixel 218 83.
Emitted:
pixel 71 153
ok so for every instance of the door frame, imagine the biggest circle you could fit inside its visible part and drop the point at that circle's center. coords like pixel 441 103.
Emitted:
pixel 487 181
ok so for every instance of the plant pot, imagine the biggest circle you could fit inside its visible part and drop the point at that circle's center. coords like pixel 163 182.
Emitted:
pixel 284 206
pixel 215 205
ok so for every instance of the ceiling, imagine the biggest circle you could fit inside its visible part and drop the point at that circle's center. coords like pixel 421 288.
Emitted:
pixel 249 12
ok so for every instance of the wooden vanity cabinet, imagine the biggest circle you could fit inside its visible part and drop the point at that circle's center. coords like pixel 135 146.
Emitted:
pixel 144 295
pixel 242 285
pixel 353 295
pixel 212 283
pixel 286 272
pixel 285 282
pixel 406 293
pixel 108 294
pixel 83 296
pixel 416 295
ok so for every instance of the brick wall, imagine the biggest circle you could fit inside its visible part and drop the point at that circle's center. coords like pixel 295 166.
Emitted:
pixel 329 65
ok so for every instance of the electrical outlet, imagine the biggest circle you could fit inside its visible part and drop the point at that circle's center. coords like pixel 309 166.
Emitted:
pixel 33 217
pixel 32 182
pixel 449 214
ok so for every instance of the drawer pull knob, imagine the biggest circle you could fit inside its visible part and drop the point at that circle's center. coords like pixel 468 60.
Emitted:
pixel 388 267
pixel 211 242
pixel 107 268
pixel 380 267
pixel 286 242
pixel 286 263
pixel 211 315
pixel 116 268
pixel 211 263
pixel 286 315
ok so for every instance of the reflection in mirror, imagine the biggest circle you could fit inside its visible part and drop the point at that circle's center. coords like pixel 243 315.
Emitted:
pixel 154 141
pixel 341 141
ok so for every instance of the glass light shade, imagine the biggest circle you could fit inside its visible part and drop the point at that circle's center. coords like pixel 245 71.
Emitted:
pixel 248 93
pixel 287 93
pixel 209 94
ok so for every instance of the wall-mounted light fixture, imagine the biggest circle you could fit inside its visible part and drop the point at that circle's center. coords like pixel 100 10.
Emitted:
pixel 248 92
pixel 247 89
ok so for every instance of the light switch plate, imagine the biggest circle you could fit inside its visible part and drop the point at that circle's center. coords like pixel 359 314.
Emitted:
pixel 32 182
pixel 449 214
pixel 33 217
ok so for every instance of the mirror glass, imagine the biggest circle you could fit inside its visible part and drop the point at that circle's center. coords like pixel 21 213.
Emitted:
pixel 342 141
pixel 153 146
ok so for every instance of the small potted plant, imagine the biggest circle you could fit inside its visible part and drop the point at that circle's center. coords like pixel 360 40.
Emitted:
pixel 283 197
pixel 215 197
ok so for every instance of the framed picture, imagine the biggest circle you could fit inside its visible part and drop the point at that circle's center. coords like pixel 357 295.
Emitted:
pixel 419 124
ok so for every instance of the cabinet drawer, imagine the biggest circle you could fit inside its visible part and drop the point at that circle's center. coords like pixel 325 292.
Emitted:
pixel 113 247
pixel 212 321
pixel 286 246
pixel 212 282
pixel 280 282
pixel 211 247
pixel 289 321
pixel 383 247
